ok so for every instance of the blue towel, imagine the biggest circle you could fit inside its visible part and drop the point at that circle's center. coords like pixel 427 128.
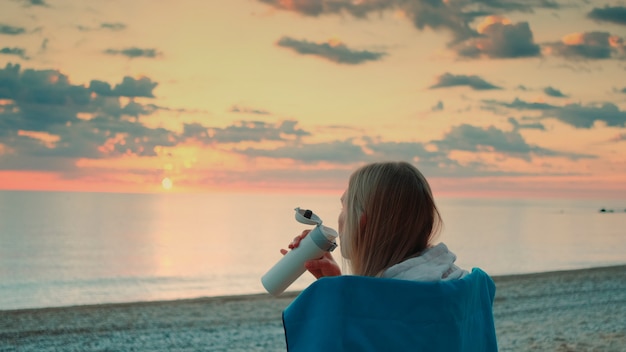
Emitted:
pixel 355 313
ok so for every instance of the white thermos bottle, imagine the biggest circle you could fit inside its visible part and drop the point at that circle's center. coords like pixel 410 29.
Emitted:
pixel 321 239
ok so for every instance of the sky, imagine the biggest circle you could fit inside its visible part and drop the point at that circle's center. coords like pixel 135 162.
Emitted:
pixel 513 98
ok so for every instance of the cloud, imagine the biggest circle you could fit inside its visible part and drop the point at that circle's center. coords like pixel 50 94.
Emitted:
pixel 438 106
pixel 10 30
pixel 433 14
pixel 48 123
pixel 453 16
pixel 246 110
pixel 44 115
pixel 434 162
pixel 332 50
pixel 530 126
pixel 451 80
pixel 516 5
pixel 612 14
pixel 589 45
pixel 19 52
pixel 117 26
pixel 135 109
pixel 36 3
pixel 406 151
pixel 575 115
pixel 244 131
pixel 491 139
pixel 35 87
pixel 439 15
pixel 336 151
pixel 134 52
pixel 519 104
pixel 472 138
pixel 553 92
pixel 500 39
pixel 586 116
pixel 349 151
pixel 328 7
pixel 129 87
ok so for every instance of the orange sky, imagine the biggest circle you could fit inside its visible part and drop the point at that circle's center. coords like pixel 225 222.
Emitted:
pixel 257 95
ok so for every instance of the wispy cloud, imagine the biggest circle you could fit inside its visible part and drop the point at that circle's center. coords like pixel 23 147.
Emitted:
pixel 332 50
pixel 116 27
pixel 19 52
pixel 438 106
pixel 44 45
pixel 519 104
pixel 472 81
pixel 364 149
pixel 244 131
pixel 553 92
pixel 464 137
pixel 528 126
pixel 491 139
pixel 134 52
pixel 335 151
pixel 576 115
pixel 36 3
pixel 11 30
pixel 247 110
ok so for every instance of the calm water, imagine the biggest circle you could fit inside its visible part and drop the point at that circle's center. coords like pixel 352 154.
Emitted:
pixel 59 249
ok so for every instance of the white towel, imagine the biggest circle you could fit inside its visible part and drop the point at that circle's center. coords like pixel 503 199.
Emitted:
pixel 434 264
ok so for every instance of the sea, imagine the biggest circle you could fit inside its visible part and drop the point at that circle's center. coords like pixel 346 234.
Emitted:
pixel 71 248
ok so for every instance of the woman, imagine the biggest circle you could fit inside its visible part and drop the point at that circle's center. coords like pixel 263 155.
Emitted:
pixel 387 224
pixel 406 294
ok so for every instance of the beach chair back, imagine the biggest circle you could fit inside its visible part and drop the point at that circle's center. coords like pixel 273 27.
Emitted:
pixel 354 313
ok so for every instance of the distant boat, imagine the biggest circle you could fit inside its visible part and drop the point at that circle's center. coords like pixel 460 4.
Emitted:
pixel 604 210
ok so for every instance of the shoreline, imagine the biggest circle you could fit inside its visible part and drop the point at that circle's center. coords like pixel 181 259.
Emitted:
pixel 293 294
pixel 567 310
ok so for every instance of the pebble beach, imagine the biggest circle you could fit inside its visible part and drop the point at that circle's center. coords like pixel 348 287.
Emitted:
pixel 576 310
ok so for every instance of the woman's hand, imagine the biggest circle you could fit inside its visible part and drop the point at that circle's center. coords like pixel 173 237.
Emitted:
pixel 324 266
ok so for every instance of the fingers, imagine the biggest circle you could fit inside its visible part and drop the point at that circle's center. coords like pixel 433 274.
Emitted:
pixel 313 265
pixel 326 266
pixel 296 240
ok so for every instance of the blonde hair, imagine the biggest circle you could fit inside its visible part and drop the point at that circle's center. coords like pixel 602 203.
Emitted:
pixel 400 216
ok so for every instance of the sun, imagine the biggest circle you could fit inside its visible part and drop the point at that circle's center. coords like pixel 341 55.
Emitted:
pixel 167 184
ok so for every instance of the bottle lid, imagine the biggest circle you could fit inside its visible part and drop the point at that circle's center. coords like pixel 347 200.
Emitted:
pixel 306 216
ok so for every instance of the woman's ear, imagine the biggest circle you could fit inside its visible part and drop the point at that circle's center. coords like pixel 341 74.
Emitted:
pixel 362 222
